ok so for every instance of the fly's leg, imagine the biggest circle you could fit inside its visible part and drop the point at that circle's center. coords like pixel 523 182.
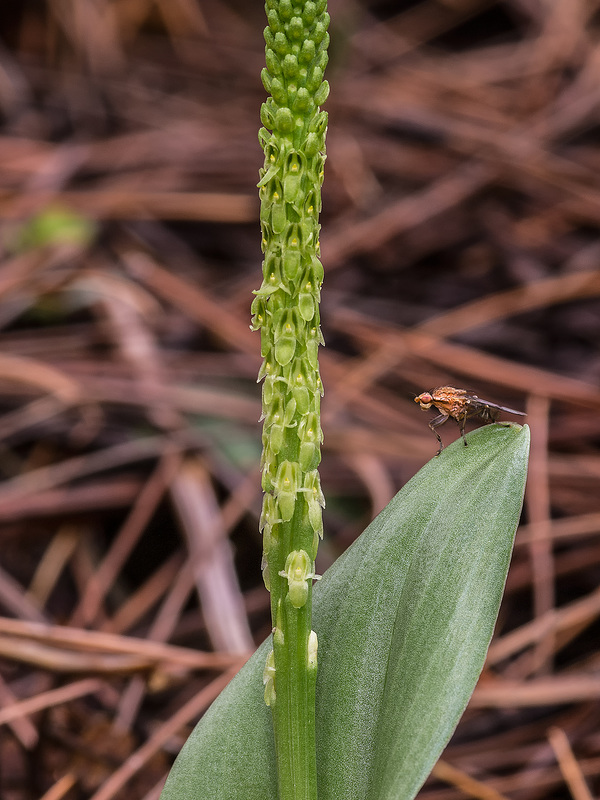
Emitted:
pixel 490 414
pixel 435 423
pixel 462 422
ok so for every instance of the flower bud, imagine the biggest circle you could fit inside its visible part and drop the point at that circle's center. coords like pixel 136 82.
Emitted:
pixel 286 9
pixel 313 645
pixel 295 29
pixel 280 42
pixel 274 21
pixel 322 93
pixel 278 91
pixel 315 500
pixel 269 679
pixel 283 120
pixel 307 51
pixel 290 66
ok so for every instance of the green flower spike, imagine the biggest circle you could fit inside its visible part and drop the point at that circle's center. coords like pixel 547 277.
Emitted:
pixel 286 311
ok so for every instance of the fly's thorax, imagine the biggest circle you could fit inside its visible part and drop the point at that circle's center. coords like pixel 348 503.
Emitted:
pixel 450 401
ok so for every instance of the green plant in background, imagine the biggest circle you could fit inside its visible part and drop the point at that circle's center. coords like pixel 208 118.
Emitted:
pixel 53 226
pixel 405 616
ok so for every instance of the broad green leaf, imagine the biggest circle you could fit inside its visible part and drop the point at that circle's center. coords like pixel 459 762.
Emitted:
pixel 404 619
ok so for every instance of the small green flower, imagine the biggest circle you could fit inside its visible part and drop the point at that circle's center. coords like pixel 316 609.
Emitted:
pixel 299 570
pixel 286 485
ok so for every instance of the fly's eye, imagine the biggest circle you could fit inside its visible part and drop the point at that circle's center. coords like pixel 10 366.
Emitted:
pixel 425 400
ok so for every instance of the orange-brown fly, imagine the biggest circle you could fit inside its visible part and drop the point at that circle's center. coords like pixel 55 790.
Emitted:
pixel 461 405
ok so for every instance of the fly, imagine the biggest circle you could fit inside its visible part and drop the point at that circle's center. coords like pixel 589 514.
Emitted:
pixel 461 405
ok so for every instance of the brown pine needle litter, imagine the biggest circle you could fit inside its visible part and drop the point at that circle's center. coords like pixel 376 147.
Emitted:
pixel 461 248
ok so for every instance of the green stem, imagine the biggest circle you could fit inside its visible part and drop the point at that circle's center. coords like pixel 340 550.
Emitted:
pixel 293 709
pixel 293 712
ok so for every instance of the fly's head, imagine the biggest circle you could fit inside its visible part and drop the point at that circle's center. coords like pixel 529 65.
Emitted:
pixel 424 400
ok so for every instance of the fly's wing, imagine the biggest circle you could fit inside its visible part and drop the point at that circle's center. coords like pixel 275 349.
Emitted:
pixel 486 403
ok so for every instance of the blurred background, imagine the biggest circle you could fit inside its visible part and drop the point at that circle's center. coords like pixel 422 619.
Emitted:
pixel 461 246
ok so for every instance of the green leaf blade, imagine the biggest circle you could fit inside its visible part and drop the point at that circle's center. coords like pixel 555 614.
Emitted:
pixel 230 754
pixel 404 619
